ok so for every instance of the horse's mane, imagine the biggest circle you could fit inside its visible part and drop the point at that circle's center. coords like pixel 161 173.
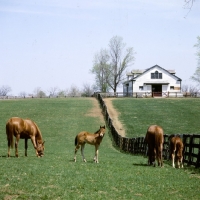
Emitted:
pixel 97 131
pixel 39 132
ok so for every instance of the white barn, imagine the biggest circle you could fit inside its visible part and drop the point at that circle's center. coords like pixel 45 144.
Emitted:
pixel 154 81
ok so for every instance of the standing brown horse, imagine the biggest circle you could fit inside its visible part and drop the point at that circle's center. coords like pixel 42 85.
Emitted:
pixel 90 138
pixel 154 138
pixel 176 150
pixel 24 129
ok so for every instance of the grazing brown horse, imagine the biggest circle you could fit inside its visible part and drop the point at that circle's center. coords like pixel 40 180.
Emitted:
pixel 24 129
pixel 176 150
pixel 154 138
pixel 91 138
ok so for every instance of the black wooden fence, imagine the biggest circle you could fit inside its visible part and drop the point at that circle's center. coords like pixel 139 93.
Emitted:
pixel 137 145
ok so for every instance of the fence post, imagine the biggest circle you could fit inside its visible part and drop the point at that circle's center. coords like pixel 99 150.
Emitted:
pixel 198 160
pixel 190 150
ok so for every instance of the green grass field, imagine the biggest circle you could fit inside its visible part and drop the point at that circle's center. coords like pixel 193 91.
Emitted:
pixel 174 115
pixel 56 176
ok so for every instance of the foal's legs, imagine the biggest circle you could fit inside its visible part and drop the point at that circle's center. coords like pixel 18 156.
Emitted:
pixel 82 152
pixel 181 161
pixel 96 154
pixel 75 151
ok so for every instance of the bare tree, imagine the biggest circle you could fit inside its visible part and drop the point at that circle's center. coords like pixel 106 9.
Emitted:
pixel 196 75
pixel 119 61
pixel 87 90
pixel 109 67
pixel 53 91
pixel 189 4
pixel 22 94
pixel 4 90
pixel 39 93
pixel 62 93
pixel 190 90
pixel 74 91
pixel 193 90
pixel 100 69
pixel 184 88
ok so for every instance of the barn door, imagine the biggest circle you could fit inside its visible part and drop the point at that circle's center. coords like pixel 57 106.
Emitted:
pixel 157 90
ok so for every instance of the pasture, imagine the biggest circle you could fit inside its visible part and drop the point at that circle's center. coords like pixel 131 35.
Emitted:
pixel 175 115
pixel 116 176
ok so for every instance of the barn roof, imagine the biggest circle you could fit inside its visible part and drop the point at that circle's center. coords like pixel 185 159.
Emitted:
pixel 141 72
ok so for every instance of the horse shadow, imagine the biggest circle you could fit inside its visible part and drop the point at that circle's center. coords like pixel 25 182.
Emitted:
pixel 140 164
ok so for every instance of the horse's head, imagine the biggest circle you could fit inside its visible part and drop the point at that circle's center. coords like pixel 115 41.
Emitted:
pixel 40 149
pixel 102 131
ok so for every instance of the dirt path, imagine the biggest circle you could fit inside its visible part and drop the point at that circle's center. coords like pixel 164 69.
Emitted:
pixel 97 112
pixel 113 113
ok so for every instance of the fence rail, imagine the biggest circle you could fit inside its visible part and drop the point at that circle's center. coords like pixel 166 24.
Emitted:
pixel 112 94
pixel 137 145
pixel 150 94
pixel 38 97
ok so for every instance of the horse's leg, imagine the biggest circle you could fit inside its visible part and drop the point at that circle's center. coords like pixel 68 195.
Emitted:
pixel 154 156
pixel 35 146
pixel 82 152
pixel 9 147
pixel 181 161
pixel 150 155
pixel 75 151
pixel 173 158
pixel 178 163
pixel 161 156
pixel 26 146
pixel 16 145
pixel 96 154
pixel 173 155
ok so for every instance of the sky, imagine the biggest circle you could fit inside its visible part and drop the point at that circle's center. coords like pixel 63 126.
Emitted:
pixel 52 43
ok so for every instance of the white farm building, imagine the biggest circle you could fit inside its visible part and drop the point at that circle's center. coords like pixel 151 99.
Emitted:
pixel 154 81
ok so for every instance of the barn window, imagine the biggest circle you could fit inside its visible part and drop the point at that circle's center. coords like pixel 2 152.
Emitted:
pixel 140 87
pixel 156 75
pixel 171 87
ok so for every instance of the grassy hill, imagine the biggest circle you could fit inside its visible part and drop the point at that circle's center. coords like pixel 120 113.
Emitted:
pixel 56 176
pixel 174 115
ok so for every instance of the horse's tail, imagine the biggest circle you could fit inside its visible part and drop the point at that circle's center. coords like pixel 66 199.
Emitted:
pixel 75 143
pixel 9 132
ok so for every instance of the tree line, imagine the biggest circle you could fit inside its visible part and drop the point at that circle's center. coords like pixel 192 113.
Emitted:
pixel 86 91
